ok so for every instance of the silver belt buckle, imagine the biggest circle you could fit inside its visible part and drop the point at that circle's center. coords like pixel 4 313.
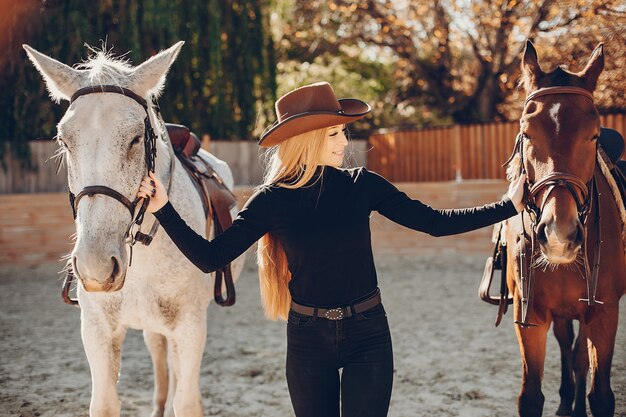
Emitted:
pixel 334 314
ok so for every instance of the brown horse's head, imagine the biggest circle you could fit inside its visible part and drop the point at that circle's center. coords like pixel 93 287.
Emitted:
pixel 559 136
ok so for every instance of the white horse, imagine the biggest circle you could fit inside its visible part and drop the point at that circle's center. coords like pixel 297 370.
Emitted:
pixel 101 136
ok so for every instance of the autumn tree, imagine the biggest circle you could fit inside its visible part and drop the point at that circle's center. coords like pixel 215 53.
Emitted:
pixel 450 58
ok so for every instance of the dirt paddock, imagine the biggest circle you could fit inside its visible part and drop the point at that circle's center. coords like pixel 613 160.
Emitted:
pixel 449 358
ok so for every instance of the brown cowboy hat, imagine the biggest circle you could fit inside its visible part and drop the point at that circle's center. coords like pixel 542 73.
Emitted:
pixel 308 108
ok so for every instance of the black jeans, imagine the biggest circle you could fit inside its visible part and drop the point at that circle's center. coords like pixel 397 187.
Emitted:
pixel 318 348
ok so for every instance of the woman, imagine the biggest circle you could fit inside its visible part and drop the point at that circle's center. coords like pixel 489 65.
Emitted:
pixel 315 260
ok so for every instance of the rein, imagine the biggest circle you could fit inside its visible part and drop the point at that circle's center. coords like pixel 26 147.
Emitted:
pixel 571 183
pixel 131 237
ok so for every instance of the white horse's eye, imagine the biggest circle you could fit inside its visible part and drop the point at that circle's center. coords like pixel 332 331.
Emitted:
pixel 61 143
pixel 135 140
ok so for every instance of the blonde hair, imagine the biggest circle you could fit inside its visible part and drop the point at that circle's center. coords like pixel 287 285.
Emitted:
pixel 290 164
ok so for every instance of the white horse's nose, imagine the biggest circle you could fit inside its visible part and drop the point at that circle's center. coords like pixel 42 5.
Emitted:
pixel 99 273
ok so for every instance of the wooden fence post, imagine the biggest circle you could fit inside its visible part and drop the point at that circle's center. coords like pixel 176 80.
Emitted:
pixel 458 176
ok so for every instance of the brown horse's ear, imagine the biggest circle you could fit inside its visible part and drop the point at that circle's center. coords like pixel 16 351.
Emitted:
pixel 531 71
pixel 594 67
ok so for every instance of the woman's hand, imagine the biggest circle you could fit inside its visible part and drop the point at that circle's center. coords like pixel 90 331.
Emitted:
pixel 516 192
pixel 153 188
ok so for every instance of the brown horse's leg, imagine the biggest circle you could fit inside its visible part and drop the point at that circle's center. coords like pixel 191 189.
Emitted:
pixel 532 343
pixel 581 368
pixel 564 332
pixel 602 332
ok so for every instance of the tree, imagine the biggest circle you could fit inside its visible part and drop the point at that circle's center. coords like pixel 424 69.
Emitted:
pixel 223 80
pixel 451 58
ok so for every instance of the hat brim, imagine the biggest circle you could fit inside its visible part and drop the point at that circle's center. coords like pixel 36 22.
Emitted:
pixel 351 109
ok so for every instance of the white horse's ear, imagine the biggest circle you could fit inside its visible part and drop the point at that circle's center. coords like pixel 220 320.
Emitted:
pixel 594 67
pixel 530 67
pixel 62 81
pixel 148 78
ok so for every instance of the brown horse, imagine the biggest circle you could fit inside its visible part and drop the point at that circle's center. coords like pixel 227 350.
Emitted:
pixel 555 272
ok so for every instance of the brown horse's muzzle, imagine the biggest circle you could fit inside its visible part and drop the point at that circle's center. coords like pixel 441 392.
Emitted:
pixel 560 240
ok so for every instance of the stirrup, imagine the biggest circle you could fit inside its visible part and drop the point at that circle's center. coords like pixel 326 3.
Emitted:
pixel 591 301
pixel 525 325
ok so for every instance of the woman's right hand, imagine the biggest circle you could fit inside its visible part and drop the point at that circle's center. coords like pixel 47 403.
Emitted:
pixel 516 192
pixel 153 188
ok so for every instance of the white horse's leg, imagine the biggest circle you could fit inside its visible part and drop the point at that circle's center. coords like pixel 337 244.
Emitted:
pixel 173 370
pixel 157 346
pixel 103 347
pixel 187 355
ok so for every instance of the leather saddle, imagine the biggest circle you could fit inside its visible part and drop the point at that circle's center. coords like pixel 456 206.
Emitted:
pixel 217 199
pixel 184 141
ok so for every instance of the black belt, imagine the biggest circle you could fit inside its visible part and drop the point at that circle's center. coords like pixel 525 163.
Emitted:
pixel 338 313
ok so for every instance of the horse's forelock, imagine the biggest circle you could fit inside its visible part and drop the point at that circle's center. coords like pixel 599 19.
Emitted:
pixel 104 68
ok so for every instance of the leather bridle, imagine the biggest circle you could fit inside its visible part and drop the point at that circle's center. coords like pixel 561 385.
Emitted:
pixel 573 184
pixel 150 158
pixel 131 236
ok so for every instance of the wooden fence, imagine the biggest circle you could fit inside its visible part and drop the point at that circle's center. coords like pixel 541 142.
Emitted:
pixel 451 153
pixel 439 154
pixel 37 228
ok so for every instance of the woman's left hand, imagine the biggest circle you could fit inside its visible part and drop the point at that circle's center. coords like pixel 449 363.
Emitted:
pixel 153 188
pixel 516 192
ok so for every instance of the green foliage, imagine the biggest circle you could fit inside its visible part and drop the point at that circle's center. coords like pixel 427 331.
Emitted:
pixel 223 76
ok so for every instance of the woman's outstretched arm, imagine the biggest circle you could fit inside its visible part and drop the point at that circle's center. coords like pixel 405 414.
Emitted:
pixel 208 256
pixel 398 207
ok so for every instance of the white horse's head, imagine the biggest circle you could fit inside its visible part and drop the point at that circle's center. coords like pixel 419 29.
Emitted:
pixel 101 136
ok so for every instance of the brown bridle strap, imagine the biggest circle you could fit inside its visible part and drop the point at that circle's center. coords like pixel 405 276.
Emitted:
pixel 99 189
pixel 561 178
pixel 565 180
pixel 554 180
pixel 558 90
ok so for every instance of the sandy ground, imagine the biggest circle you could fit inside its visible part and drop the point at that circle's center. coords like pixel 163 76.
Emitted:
pixel 450 360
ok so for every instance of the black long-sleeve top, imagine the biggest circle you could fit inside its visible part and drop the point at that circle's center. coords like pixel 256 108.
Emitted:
pixel 324 229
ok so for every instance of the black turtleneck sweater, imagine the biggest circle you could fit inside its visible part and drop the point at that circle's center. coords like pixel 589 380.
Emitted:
pixel 324 229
